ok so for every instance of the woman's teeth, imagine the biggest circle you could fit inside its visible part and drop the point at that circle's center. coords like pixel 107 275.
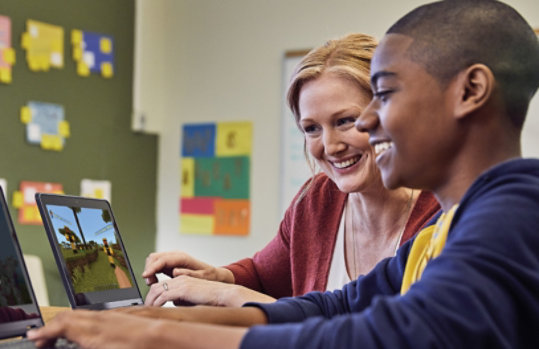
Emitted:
pixel 347 163
pixel 381 147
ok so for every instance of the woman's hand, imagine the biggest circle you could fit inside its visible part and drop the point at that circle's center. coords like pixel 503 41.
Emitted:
pixel 176 263
pixel 188 290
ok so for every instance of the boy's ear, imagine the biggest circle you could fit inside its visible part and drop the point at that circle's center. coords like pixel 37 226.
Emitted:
pixel 474 87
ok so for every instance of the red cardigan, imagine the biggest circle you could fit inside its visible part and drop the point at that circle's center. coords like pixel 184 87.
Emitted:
pixel 298 259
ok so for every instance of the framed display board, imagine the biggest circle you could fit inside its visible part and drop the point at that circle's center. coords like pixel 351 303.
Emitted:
pixel 294 168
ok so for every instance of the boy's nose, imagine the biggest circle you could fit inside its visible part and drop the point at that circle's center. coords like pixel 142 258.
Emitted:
pixel 368 120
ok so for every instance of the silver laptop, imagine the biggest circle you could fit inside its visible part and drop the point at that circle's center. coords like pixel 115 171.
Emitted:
pixel 89 252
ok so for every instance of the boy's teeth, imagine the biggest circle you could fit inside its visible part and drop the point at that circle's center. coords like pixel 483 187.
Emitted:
pixel 346 163
pixel 380 147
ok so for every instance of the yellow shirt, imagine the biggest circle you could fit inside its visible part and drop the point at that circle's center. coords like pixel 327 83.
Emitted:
pixel 427 245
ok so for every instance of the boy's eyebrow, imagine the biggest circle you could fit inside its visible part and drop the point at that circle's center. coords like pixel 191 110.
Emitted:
pixel 379 75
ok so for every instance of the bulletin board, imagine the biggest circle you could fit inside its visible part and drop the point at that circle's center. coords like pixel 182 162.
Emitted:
pixel 101 145
pixel 294 168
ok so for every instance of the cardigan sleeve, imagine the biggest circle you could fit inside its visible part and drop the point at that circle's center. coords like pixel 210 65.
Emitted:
pixel 269 270
pixel 425 210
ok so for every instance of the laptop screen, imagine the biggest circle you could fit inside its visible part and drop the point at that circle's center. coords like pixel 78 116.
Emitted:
pixel 89 251
pixel 18 308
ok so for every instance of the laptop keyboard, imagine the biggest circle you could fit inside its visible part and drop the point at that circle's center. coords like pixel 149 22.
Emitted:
pixel 18 344
pixel 61 343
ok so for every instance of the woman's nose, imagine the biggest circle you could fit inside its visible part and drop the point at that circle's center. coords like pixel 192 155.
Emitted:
pixel 333 143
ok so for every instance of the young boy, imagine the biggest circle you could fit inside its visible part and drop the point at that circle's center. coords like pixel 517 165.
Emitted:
pixel 452 81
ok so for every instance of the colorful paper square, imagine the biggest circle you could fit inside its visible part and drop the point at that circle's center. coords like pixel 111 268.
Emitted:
pixel 7 53
pixel 25 201
pixel 93 52
pixel 45 125
pixel 198 140
pixel 44 45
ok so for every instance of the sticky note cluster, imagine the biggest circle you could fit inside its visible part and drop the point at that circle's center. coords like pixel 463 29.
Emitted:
pixel 93 53
pixel 45 125
pixel 44 45
pixel 7 53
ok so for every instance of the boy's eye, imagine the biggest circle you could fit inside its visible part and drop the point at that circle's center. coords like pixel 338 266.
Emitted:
pixel 382 95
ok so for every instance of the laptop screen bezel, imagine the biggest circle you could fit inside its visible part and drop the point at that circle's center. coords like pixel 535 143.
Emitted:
pixel 105 299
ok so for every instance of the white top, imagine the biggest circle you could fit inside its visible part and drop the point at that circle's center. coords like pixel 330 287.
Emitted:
pixel 338 275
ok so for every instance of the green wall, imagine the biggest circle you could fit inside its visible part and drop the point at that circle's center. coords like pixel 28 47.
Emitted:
pixel 102 145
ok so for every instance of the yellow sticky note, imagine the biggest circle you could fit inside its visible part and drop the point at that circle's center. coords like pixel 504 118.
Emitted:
pixel 106 70
pixel 47 142
pixel 5 75
pixel 83 69
pixel 18 199
pixel 197 224
pixel 57 143
pixel 63 129
pixel 26 115
pixel 105 45
pixel 98 193
pixel 76 36
pixel 25 40
pixel 8 54
pixel 28 214
pixel 77 53
pixel 34 64
pixel 57 45
pixel 187 177
pixel 44 63
pixel 233 138
pixel 36 214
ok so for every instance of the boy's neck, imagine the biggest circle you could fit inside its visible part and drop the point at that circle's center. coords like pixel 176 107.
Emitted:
pixel 466 169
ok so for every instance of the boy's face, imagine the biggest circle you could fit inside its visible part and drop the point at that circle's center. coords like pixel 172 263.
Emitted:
pixel 408 119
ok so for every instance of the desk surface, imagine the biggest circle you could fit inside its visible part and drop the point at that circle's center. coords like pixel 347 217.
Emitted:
pixel 49 312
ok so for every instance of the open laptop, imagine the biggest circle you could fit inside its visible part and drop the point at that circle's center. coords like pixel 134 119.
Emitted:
pixel 19 310
pixel 89 252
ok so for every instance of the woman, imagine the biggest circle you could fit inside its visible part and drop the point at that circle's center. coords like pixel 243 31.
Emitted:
pixel 341 223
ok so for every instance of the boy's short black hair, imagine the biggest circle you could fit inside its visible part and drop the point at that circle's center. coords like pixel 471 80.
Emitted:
pixel 451 35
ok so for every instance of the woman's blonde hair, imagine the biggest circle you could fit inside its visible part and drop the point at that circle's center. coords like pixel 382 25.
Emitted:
pixel 348 57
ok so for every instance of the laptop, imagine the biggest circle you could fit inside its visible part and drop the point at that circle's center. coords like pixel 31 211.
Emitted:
pixel 89 252
pixel 19 310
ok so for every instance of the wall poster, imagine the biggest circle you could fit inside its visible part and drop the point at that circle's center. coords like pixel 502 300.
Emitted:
pixel 215 178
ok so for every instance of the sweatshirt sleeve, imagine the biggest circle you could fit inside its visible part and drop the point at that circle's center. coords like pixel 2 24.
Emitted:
pixel 480 292
pixel 299 322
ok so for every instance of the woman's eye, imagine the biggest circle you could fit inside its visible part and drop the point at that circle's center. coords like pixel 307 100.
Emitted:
pixel 347 120
pixel 309 129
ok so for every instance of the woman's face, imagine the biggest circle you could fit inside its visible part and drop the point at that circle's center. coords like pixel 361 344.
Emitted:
pixel 328 107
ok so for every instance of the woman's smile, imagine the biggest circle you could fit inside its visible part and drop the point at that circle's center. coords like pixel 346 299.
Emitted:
pixel 343 164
